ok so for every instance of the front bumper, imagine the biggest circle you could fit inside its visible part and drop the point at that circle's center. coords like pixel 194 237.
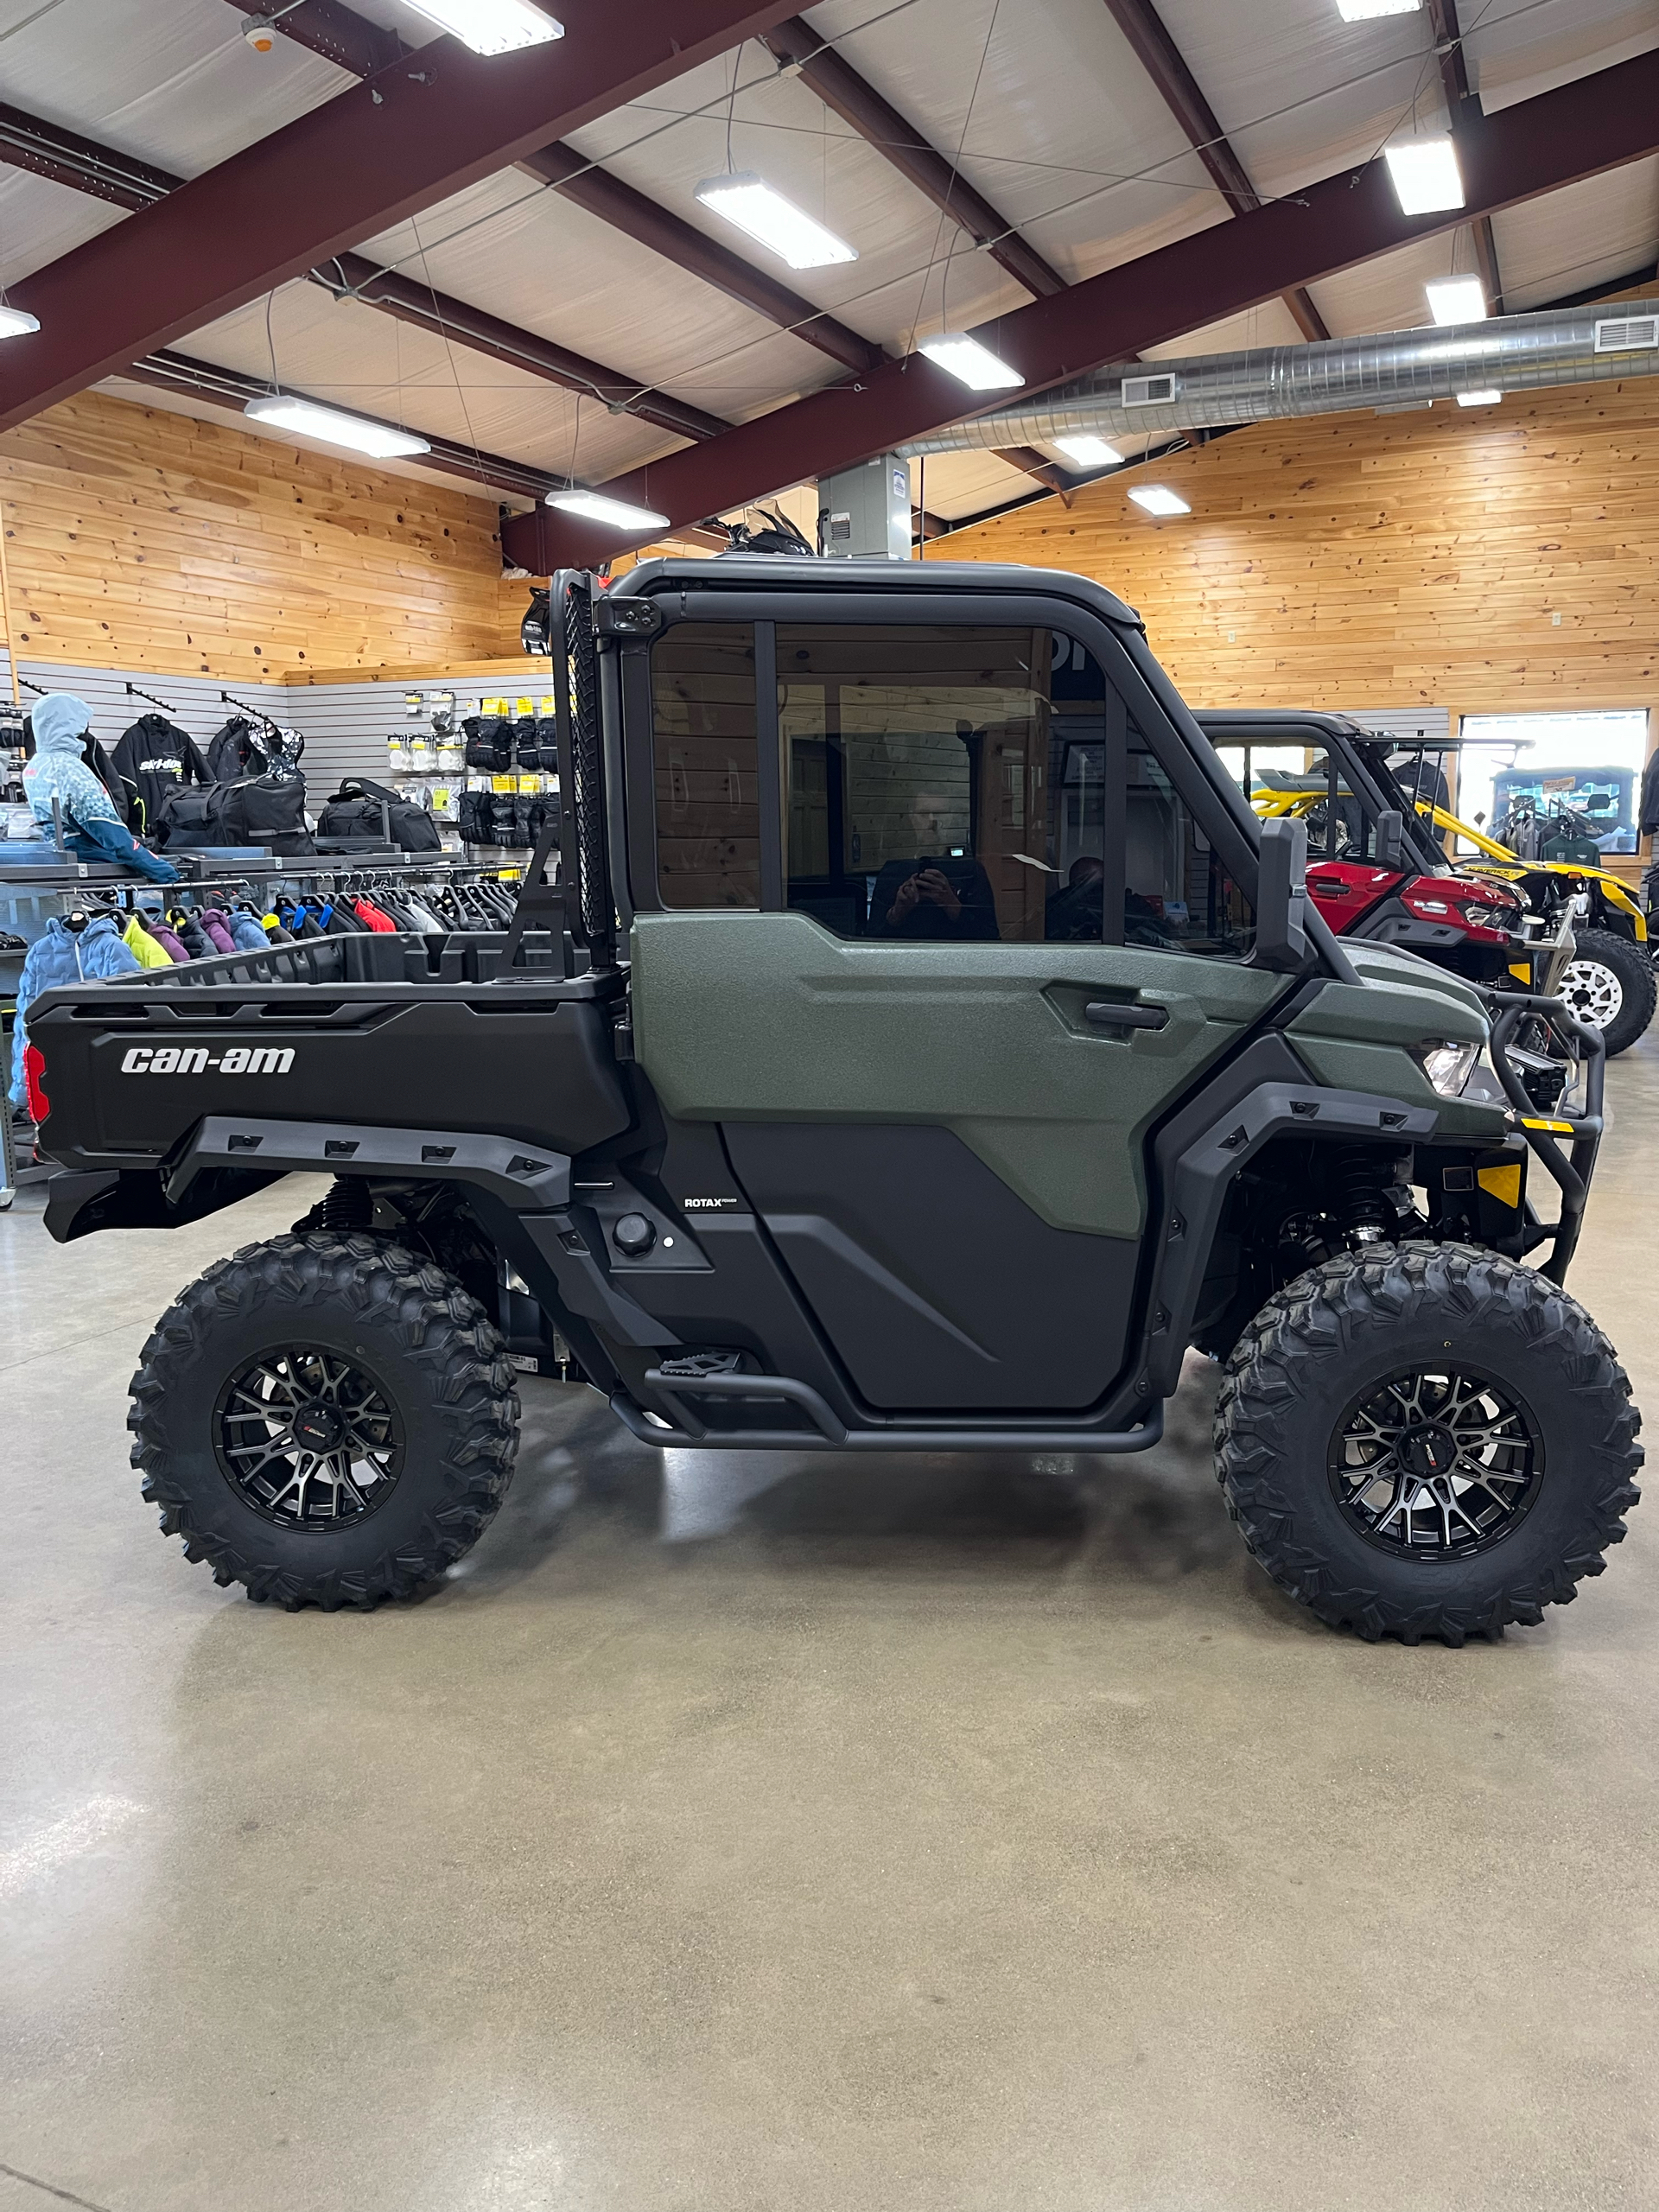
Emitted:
pixel 1571 1170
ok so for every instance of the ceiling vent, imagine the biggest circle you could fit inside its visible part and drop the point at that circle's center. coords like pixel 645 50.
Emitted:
pixel 1148 391
pixel 1637 334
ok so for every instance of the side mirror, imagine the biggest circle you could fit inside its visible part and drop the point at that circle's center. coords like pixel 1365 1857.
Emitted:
pixel 1281 897
pixel 1391 841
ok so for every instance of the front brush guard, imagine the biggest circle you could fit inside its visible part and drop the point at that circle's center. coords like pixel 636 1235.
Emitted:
pixel 1570 1171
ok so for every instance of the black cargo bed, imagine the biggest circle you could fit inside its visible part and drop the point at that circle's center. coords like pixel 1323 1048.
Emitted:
pixel 377 1031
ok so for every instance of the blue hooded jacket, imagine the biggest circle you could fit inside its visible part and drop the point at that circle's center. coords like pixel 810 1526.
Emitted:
pixel 57 770
pixel 65 956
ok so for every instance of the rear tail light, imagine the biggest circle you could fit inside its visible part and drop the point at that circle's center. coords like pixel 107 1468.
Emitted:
pixel 34 1083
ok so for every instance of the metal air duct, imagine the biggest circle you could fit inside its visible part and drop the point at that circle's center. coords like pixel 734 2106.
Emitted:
pixel 1400 369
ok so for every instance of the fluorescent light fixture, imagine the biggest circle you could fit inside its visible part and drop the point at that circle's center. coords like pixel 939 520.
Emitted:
pixel 1364 11
pixel 1159 499
pixel 1425 175
pixel 14 323
pixel 598 508
pixel 1478 398
pixel 1457 299
pixel 785 229
pixel 492 26
pixel 975 365
pixel 333 428
pixel 1088 452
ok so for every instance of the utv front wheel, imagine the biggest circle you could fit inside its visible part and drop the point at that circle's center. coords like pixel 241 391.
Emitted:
pixel 326 1420
pixel 1426 1442
pixel 1610 983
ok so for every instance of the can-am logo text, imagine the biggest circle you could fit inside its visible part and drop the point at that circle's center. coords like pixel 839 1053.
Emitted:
pixel 196 1060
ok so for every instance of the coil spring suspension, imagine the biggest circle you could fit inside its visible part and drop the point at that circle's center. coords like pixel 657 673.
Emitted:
pixel 1361 1176
pixel 345 1206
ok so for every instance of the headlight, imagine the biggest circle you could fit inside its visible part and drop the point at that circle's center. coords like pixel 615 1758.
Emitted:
pixel 1449 1066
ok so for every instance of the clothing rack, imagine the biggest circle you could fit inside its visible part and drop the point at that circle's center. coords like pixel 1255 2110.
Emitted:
pixel 166 707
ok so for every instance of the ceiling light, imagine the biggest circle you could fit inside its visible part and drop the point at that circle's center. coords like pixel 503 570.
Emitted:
pixel 384 440
pixel 14 323
pixel 1362 11
pixel 1457 299
pixel 1425 175
pixel 1088 452
pixel 1478 398
pixel 1159 499
pixel 975 365
pixel 750 202
pixel 492 26
pixel 598 508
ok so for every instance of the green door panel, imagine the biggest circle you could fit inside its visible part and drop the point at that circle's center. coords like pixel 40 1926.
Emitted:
pixel 747 1016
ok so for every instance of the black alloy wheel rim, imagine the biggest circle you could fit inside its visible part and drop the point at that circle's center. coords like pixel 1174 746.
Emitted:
pixel 309 1437
pixel 1437 1462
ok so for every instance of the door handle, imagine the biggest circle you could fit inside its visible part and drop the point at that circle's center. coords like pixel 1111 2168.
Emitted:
pixel 1111 1013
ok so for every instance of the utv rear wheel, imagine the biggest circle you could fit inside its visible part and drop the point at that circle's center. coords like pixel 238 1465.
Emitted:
pixel 1426 1442
pixel 326 1420
pixel 1610 983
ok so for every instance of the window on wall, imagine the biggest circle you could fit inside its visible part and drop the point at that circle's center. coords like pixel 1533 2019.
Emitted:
pixel 704 766
pixel 1538 782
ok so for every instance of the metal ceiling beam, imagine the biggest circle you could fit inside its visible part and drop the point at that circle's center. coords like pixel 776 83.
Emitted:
pixel 1460 100
pixel 27 141
pixel 340 34
pixel 353 276
pixel 1030 463
pixel 1598 122
pixel 231 390
pixel 857 101
pixel 331 28
pixel 1162 60
pixel 618 203
pixel 386 150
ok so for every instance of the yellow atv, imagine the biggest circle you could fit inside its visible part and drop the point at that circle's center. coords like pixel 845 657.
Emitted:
pixel 1609 981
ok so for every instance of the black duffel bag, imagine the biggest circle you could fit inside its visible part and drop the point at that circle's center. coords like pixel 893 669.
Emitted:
pixel 255 811
pixel 371 811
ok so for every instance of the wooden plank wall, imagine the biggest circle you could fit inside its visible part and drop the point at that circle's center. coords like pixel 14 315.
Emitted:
pixel 143 539
pixel 1486 560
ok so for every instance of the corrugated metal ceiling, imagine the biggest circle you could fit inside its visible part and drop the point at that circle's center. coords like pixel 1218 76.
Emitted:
pixel 1042 102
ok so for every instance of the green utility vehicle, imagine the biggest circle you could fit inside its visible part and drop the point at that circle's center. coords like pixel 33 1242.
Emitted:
pixel 924 1045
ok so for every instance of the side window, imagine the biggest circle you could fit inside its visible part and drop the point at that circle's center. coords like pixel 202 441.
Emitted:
pixel 943 784
pixel 704 764
pixel 1177 894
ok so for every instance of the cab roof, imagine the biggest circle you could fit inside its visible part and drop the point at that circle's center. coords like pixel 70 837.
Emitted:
pixel 786 572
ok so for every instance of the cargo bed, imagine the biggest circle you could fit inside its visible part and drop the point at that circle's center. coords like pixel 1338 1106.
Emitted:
pixel 382 1031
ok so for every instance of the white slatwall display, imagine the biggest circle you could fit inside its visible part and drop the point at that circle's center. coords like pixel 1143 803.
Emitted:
pixel 345 726
pixel 194 699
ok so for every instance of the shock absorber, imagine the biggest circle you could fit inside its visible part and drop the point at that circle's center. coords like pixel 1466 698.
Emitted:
pixel 344 1206
pixel 1361 1176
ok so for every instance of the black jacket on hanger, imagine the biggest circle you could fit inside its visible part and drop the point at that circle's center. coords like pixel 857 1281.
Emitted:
pixel 153 758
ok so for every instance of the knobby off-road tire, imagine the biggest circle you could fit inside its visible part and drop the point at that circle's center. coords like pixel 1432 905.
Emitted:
pixel 1610 983
pixel 1531 1390
pixel 376 1360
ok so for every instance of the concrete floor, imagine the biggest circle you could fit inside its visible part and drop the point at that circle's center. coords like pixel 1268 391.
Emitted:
pixel 990 1838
